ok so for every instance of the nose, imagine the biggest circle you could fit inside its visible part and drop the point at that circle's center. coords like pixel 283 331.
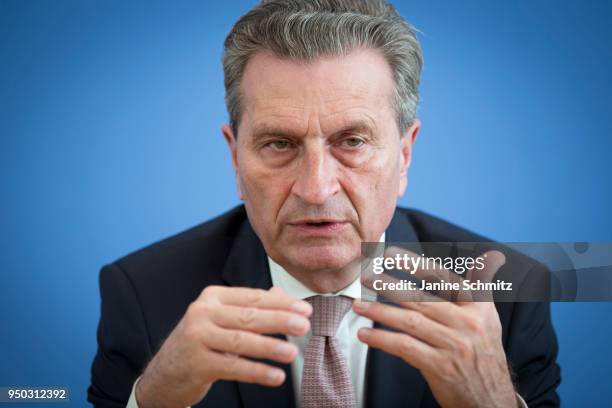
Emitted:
pixel 316 179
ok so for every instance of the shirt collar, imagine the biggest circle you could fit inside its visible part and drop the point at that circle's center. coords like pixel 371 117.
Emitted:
pixel 295 288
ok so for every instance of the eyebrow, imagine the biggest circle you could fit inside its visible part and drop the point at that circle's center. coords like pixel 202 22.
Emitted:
pixel 353 126
pixel 271 130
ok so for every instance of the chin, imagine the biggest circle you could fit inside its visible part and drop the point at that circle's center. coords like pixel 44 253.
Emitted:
pixel 322 257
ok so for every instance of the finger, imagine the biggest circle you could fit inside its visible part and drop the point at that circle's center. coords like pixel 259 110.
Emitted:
pixel 234 368
pixel 417 267
pixel 277 289
pixel 259 298
pixel 388 286
pixel 407 321
pixel 435 272
pixel 423 270
pixel 260 320
pixel 411 350
pixel 428 304
pixel 445 313
pixel 249 344
pixel 493 260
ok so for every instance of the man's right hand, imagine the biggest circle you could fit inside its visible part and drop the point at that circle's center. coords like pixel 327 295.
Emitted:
pixel 219 329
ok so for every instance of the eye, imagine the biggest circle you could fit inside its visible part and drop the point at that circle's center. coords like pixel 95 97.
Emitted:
pixel 352 142
pixel 280 145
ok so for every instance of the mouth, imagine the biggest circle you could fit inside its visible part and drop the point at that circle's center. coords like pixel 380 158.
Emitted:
pixel 319 227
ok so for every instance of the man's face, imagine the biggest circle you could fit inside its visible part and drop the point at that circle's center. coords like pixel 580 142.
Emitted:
pixel 318 157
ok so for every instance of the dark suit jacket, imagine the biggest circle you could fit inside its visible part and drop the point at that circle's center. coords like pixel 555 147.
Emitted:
pixel 145 294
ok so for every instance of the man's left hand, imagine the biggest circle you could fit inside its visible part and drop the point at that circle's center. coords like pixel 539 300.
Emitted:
pixel 457 346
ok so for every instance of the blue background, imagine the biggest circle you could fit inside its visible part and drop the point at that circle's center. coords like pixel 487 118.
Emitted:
pixel 109 121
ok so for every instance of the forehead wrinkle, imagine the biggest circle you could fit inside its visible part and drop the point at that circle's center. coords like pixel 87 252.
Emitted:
pixel 270 102
pixel 263 108
pixel 347 116
pixel 279 123
pixel 357 99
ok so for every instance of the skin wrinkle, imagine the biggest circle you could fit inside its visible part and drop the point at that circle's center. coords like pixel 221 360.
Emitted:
pixel 313 109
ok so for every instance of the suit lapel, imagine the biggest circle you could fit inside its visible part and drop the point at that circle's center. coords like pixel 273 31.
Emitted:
pixel 390 381
pixel 247 266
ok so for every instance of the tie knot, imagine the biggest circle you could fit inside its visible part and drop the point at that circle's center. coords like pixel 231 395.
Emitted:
pixel 327 313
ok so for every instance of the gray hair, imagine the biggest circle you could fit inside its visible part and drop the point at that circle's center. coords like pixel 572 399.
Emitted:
pixel 304 30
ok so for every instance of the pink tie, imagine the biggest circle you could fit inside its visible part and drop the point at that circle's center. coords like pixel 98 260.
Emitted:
pixel 326 380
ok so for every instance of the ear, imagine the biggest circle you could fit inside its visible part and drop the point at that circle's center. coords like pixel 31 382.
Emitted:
pixel 228 134
pixel 407 139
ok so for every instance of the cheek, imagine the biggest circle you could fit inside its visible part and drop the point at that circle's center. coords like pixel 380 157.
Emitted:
pixel 373 191
pixel 376 180
pixel 264 183
pixel 264 190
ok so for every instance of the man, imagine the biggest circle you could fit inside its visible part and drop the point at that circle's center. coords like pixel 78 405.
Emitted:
pixel 250 309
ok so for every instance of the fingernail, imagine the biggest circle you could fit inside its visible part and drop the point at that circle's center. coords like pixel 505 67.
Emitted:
pixel 297 324
pixel 364 333
pixel 285 350
pixel 302 308
pixel 276 376
pixel 361 305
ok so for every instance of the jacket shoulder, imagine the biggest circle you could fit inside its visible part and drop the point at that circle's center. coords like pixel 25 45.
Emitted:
pixel 210 239
pixel 177 268
pixel 430 228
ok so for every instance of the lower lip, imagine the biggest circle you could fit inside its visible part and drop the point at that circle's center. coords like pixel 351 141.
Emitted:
pixel 321 229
